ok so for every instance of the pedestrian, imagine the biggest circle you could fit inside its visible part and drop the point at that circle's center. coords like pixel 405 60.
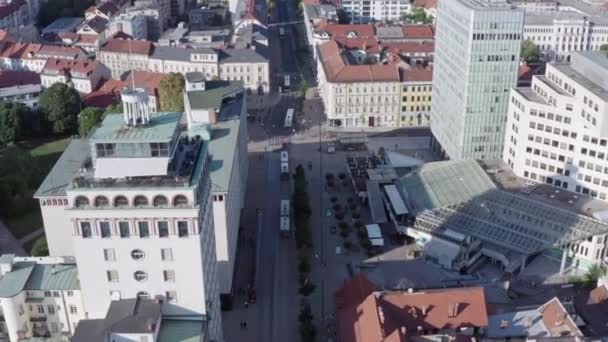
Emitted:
pixel 246 304
pixel 245 324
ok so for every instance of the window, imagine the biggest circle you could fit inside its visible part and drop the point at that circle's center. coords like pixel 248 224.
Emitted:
pixel 144 230
pixel 104 150
pixel 73 309
pixel 182 228
pixel 143 295
pixel 123 226
pixel 70 293
pixel 137 254
pixel 108 254
pixel 171 296
pixel 81 202
pixel 166 254
pixel 121 201
pixel 180 201
pixel 140 201
pixel 104 230
pixel 169 276
pixel 54 327
pixel 140 276
pixel 160 201
pixel 163 229
pixel 85 228
pixel 101 201
pixel 112 276
pixel 40 309
pixel 159 149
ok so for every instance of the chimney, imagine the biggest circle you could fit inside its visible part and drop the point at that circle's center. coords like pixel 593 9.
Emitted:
pixel 6 263
pixel 453 310
pixel 403 331
pixel 212 116
pixel 425 309
pixel 504 324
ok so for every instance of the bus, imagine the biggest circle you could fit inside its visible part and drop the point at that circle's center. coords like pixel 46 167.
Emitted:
pixel 286 83
pixel 289 118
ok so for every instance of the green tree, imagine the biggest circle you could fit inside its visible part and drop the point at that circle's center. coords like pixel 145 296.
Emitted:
pixel 307 329
pixel 113 109
pixel 604 48
pixel 18 174
pixel 60 105
pixel 593 273
pixel 89 118
pixel 40 248
pixel 529 51
pixel 10 125
pixel 171 93
pixel 417 15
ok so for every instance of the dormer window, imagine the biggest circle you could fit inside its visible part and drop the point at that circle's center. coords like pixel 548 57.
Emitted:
pixel 351 34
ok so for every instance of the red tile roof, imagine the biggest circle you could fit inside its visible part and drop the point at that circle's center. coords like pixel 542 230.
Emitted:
pixel 10 78
pixel 426 47
pixel 338 71
pixel 11 8
pixel 428 4
pixel 70 66
pixel 393 315
pixel 56 51
pixel 19 50
pixel 356 30
pixel 370 45
pixel 108 92
pixel 593 307
pixel 417 75
pixel 140 47
pixel 108 8
pixel 557 320
pixel 354 291
pixel 418 31
pixel 5 36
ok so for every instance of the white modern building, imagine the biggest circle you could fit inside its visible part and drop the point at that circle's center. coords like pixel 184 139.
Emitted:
pixel 364 11
pixel 39 297
pixel 477 50
pixel 132 204
pixel 221 105
pixel 557 130
pixel 535 6
pixel 131 23
pixel 561 33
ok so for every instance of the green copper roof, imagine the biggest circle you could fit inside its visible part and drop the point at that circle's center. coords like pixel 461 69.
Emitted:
pixel 175 330
pixel 214 93
pixel 32 276
pixel 161 128
pixel 223 148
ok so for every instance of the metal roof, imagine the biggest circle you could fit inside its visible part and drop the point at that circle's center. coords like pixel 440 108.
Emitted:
pixel 179 330
pixel 241 56
pixel 65 168
pixel 223 149
pixel 161 128
pixel 214 93
pixel 376 204
pixel 395 199
pixel 33 276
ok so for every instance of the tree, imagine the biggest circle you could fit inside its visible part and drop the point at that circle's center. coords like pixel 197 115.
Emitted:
pixel 529 51
pixel 171 93
pixel 89 118
pixel 60 104
pixel 307 329
pixel 417 15
pixel 10 126
pixel 593 273
pixel 40 247
pixel 604 48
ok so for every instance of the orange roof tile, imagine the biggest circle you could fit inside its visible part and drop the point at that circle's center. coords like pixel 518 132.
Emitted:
pixel 418 31
pixel 358 30
pixel 140 47
pixel 426 47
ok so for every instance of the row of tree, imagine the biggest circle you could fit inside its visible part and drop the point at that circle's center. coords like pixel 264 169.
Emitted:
pixel 304 243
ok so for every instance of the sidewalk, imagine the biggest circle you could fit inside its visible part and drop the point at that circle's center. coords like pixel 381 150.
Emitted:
pixel 8 243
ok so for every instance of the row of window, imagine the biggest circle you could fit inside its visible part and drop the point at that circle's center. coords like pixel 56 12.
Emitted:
pixel 124 229
pixel 544 179
pixel 109 254
pixel 159 201
pixel 589 179
pixel 50 294
pixel 50 309
pixel 140 276
pixel 592 166
pixel 550 116
pixel 170 296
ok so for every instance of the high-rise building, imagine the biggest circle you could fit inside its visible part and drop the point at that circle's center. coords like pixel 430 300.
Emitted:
pixel 477 48
pixel 557 130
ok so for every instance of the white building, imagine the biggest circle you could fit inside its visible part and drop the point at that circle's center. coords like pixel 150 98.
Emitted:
pixel 20 86
pixel 144 229
pixel 364 11
pixel 204 105
pixel 559 34
pixel 84 76
pixel 535 6
pixel 557 130
pixel 131 23
pixel 39 297
pixel 477 48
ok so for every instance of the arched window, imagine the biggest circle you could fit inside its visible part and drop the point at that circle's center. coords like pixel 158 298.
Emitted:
pixel 140 276
pixel 140 201
pixel 160 201
pixel 121 201
pixel 180 201
pixel 81 201
pixel 101 201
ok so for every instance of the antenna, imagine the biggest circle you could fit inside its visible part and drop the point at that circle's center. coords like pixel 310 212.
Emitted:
pixel 132 71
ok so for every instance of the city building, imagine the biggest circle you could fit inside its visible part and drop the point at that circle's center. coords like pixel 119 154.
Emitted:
pixel 477 50
pixel 14 14
pixel 535 6
pixel 365 314
pixel 33 57
pixel 593 308
pixel 557 130
pixel 82 75
pixel 105 10
pixel 142 319
pixel 144 229
pixel 20 86
pixel 247 65
pixel 559 34
pixel 108 92
pixel 415 103
pixel 67 24
pixel 213 103
pixel 206 17
pixel 156 20
pixel 40 297
pixel 361 11
pixel 131 23
pixel 468 212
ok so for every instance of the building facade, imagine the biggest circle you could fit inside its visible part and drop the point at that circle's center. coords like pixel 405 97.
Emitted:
pixel 561 33
pixel 39 297
pixel 14 14
pixel 361 11
pixel 535 6
pixel 84 76
pixel 416 90
pixel 20 86
pixel 133 24
pixel 477 50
